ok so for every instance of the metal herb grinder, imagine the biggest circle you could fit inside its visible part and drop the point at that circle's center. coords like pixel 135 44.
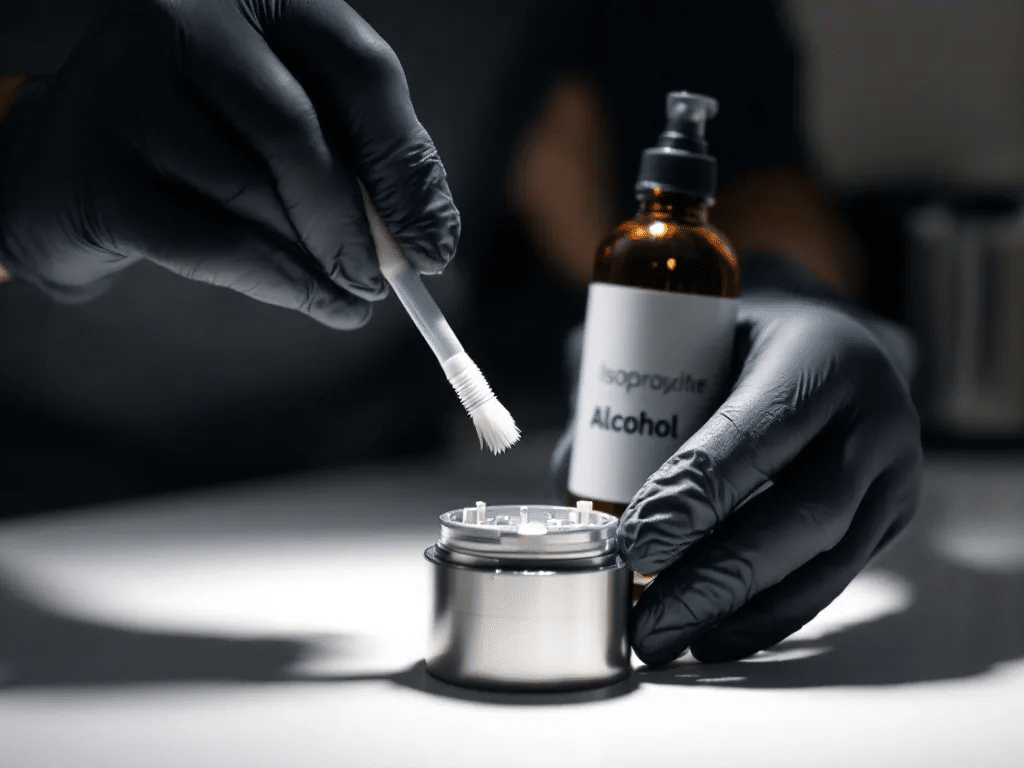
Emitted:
pixel 528 598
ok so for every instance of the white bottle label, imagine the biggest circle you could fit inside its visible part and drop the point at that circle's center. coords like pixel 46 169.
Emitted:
pixel 653 371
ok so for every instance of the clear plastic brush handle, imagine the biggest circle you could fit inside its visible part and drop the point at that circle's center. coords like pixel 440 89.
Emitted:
pixel 408 286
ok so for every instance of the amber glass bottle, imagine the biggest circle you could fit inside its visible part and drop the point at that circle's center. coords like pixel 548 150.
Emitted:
pixel 667 246
pixel 661 314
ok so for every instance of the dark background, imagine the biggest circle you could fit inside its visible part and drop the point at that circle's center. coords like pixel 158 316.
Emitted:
pixel 161 383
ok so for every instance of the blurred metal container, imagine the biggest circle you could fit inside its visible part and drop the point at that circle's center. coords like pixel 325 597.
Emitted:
pixel 966 306
pixel 528 598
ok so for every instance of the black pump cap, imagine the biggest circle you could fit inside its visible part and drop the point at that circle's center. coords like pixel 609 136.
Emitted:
pixel 681 163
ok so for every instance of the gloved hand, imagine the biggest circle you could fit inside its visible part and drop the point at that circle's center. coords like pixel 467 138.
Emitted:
pixel 221 139
pixel 811 465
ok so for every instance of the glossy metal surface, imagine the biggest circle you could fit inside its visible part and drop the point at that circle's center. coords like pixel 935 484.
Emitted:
pixel 544 629
pixel 528 598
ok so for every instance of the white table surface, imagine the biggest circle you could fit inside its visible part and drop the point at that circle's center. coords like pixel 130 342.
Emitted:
pixel 283 623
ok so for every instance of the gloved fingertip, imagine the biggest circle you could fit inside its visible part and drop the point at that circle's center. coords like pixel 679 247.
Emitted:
pixel 636 559
pixel 641 564
pixel 642 550
pixel 715 651
pixel 344 316
pixel 373 289
pixel 654 652
pixel 418 206
pixel 431 250
pixel 381 289
pixel 654 645
pixel 425 265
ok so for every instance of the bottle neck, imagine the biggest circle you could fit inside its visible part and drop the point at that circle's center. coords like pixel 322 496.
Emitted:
pixel 688 209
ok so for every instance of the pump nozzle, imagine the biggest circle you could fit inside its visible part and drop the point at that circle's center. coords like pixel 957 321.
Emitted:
pixel 685 116
pixel 680 162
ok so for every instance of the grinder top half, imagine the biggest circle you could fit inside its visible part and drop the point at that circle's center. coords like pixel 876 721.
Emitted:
pixel 517 536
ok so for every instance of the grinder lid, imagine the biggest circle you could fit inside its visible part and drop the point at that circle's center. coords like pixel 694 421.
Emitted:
pixel 528 532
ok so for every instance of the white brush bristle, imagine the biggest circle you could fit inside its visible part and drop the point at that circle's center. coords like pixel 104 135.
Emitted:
pixel 494 424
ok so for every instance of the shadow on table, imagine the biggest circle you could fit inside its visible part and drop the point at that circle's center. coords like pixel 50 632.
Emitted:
pixel 961 623
pixel 42 649
pixel 417 678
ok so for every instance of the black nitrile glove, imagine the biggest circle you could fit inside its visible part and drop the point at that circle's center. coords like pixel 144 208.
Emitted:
pixel 812 464
pixel 221 139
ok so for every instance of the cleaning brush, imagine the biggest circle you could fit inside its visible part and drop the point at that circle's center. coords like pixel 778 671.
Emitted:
pixel 494 424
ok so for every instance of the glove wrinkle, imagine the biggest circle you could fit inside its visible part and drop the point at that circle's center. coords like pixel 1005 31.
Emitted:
pixel 775 613
pixel 360 91
pixel 416 200
pixel 670 511
pixel 176 133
